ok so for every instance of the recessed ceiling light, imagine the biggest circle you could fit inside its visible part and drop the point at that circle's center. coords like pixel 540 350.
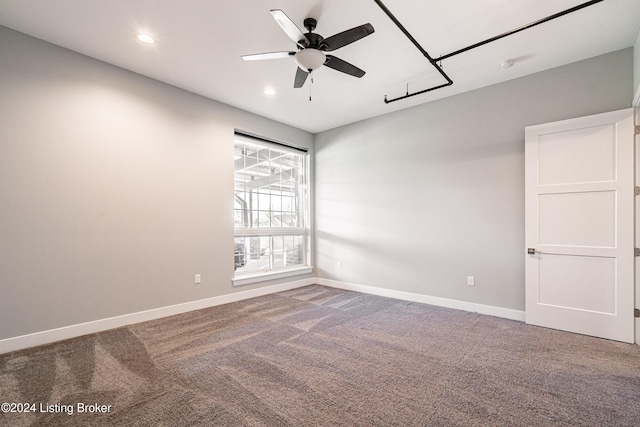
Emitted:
pixel 269 91
pixel 145 38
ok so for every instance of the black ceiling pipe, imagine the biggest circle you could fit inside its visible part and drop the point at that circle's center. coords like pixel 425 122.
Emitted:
pixel 517 30
pixel 420 48
pixel 435 61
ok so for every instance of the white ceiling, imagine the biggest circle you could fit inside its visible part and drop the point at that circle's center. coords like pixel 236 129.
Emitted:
pixel 199 44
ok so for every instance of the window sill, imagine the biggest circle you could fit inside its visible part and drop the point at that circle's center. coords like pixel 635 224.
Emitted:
pixel 262 277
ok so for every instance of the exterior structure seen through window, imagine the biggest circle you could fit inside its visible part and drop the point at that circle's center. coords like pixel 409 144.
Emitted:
pixel 270 207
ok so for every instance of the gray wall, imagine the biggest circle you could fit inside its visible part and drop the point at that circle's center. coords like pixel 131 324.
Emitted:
pixel 115 189
pixel 419 199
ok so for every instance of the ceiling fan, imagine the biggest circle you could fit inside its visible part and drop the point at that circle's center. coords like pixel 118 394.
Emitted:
pixel 312 47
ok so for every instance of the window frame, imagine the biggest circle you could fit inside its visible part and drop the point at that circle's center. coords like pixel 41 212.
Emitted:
pixel 301 213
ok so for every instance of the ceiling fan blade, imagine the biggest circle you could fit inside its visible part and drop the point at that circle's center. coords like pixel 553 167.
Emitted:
pixel 347 37
pixel 288 27
pixel 301 77
pixel 343 66
pixel 270 55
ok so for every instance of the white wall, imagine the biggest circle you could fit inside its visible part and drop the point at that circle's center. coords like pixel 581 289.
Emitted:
pixel 419 199
pixel 115 189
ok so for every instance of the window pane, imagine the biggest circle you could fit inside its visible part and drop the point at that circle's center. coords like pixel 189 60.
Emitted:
pixel 275 189
pixel 295 255
pixel 278 253
pixel 239 253
pixel 287 204
pixel 238 218
pixel 264 200
pixel 264 219
pixel 276 203
pixel 269 183
pixel 254 200
pixel 293 220
pixel 252 254
pixel 288 247
pixel 278 243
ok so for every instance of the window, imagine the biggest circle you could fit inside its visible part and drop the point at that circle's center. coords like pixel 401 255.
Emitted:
pixel 271 207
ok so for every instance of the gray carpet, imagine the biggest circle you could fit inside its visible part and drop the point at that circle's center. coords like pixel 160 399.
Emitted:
pixel 318 356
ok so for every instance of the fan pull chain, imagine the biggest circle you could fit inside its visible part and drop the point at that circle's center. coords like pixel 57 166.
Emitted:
pixel 310 84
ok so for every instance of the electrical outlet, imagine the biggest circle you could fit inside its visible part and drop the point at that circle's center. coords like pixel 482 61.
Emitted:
pixel 471 281
pixel 198 279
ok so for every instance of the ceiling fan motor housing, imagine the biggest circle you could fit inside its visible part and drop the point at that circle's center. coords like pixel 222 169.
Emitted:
pixel 312 40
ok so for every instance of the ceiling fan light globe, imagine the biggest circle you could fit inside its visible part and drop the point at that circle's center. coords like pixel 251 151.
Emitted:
pixel 310 59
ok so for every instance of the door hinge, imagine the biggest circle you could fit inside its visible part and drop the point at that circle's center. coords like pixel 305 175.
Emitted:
pixel 637 130
pixel 636 312
pixel 636 251
pixel 637 191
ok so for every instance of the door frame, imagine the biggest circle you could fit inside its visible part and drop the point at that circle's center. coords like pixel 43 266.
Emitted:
pixel 536 313
pixel 636 215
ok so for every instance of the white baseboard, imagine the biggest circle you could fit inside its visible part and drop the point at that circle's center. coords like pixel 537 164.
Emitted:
pixel 426 299
pixel 52 335
pixel 72 331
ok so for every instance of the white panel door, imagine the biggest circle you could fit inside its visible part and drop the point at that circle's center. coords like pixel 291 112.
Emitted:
pixel 579 207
